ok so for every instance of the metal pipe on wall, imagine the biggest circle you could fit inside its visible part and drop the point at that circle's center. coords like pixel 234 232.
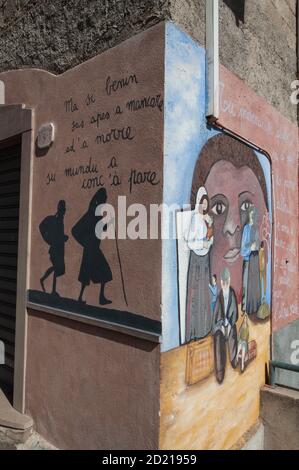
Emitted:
pixel 212 59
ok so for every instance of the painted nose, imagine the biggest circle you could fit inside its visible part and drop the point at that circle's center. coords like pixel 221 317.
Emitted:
pixel 233 221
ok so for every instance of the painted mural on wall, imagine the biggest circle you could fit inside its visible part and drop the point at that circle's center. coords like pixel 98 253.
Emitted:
pixel 257 121
pixel 217 274
pixel 223 252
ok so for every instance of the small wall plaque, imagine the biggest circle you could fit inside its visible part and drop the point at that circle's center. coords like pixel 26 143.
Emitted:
pixel 45 135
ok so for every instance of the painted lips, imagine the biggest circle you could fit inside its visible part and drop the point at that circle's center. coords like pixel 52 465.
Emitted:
pixel 232 255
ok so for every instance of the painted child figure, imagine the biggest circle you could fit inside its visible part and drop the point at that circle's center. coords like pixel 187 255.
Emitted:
pixel 213 292
pixel 210 228
pixel 243 342
pixel 263 271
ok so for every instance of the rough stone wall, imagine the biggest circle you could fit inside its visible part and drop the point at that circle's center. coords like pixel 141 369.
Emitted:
pixel 261 50
pixel 258 38
pixel 58 34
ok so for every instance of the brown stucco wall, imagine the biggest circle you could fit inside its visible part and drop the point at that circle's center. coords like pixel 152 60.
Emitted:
pixel 141 57
pixel 257 38
pixel 88 388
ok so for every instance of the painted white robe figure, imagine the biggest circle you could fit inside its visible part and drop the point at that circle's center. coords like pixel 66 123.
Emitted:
pixel 199 238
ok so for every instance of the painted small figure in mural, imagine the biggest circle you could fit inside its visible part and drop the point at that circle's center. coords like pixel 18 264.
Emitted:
pixel 243 342
pixel 213 292
pixel 264 310
pixel 263 271
pixel 250 245
pixel 199 238
pixel 224 327
pixel 94 266
pixel 52 231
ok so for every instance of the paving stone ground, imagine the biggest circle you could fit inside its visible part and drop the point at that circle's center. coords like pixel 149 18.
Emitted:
pixel 18 440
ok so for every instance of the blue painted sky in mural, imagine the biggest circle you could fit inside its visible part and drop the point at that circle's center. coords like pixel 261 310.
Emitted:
pixel 185 135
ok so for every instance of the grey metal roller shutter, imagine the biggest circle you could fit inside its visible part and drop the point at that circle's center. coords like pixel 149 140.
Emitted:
pixel 10 162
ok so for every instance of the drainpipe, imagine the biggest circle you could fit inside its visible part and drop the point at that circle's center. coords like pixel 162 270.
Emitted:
pixel 212 59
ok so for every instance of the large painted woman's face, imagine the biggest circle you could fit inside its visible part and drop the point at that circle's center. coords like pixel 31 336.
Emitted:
pixel 231 192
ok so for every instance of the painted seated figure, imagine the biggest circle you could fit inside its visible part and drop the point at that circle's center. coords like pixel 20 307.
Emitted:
pixel 224 327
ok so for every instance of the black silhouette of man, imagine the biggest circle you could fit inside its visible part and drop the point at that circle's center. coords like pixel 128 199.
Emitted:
pixel 52 231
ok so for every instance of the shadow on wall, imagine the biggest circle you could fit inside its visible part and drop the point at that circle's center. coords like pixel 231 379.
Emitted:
pixel 238 9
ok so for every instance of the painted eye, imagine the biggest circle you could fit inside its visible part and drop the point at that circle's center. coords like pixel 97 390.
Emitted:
pixel 219 208
pixel 245 206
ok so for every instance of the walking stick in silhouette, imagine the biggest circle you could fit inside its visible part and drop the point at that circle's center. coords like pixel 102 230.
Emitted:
pixel 120 267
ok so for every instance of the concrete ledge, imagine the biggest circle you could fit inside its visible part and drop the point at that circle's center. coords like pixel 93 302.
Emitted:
pixel 280 416
pixel 15 428
pixel 10 439
pixel 10 418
